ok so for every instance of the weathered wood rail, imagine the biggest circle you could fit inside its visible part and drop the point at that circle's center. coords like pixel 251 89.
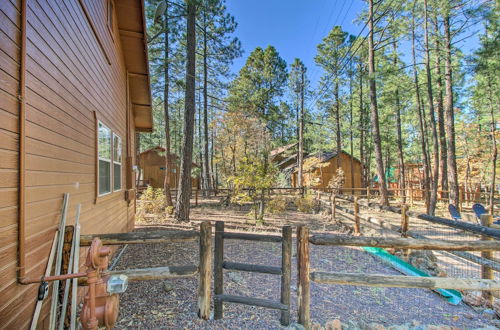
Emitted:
pixel 305 276
pixel 284 271
pixel 203 269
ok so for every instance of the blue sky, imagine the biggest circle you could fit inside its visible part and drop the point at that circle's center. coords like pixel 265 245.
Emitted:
pixel 295 27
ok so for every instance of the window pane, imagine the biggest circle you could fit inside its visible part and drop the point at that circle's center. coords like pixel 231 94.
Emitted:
pixel 117 149
pixel 117 179
pixel 104 177
pixel 104 142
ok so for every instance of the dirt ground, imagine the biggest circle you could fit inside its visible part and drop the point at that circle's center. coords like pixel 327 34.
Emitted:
pixel 172 304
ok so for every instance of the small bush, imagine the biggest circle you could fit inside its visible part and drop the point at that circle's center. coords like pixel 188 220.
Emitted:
pixel 305 204
pixel 153 200
pixel 277 205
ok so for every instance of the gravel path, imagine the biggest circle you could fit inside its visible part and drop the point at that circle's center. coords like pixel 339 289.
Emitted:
pixel 172 304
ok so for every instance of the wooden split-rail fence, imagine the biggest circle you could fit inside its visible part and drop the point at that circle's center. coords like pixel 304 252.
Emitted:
pixel 304 275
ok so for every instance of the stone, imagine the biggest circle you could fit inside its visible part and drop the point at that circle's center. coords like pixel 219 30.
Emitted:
pixel 167 286
pixel 333 325
pixel 316 326
pixel 296 326
pixel 489 313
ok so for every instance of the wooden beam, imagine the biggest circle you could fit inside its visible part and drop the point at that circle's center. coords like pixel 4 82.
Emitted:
pixel 398 281
pixel 158 273
pixel 303 286
pixel 253 237
pixel 407 243
pixel 141 237
pixel 286 277
pixel 205 268
pixel 132 34
pixel 218 271
pixel 251 301
pixel 251 268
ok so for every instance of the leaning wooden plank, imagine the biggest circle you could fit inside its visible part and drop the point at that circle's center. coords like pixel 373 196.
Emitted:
pixel 407 243
pixel 60 244
pixel 143 274
pixel 76 268
pixel 251 268
pixel 251 301
pixel 70 271
pixel 39 302
pixel 141 237
pixel 405 281
pixel 253 237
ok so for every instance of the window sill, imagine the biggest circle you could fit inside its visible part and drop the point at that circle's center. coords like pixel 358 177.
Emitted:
pixel 109 196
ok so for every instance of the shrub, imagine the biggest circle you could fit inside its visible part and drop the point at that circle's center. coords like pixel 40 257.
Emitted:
pixel 305 204
pixel 277 205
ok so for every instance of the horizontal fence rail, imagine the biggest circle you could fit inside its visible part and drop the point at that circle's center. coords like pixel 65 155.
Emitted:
pixel 398 281
pixel 157 273
pixel 406 243
pixel 142 237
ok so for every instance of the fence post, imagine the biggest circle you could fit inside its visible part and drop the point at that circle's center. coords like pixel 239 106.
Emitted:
pixel 333 204
pixel 368 194
pixel 487 272
pixel 357 226
pixel 405 223
pixel 286 272
pixel 218 273
pixel 303 287
pixel 196 198
pixel 204 270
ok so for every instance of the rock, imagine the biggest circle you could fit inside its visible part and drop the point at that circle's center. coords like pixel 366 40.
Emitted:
pixel 489 313
pixel 167 286
pixel 333 325
pixel 235 277
pixel 316 326
pixel 415 323
pixel 296 326
pixel 375 326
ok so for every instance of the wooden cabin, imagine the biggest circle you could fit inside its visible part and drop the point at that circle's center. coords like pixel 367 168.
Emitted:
pixel 152 169
pixel 74 92
pixel 319 175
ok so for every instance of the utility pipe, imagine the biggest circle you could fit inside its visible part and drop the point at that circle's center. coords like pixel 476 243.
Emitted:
pixel 22 150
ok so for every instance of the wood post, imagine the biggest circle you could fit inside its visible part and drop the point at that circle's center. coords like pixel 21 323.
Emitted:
pixel 218 272
pixel 204 270
pixel 357 225
pixel 196 198
pixel 286 273
pixel 333 204
pixel 368 193
pixel 303 287
pixel 405 220
pixel 487 272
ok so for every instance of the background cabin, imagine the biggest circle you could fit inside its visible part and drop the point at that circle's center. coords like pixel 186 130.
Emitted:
pixel 152 169
pixel 71 103
pixel 319 176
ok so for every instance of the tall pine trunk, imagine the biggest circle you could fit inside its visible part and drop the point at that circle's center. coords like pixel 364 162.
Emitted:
pixel 168 168
pixel 420 119
pixel 351 132
pixel 443 161
pixel 362 127
pixel 337 123
pixel 430 98
pixel 384 196
pixel 450 117
pixel 184 191
pixel 494 151
pixel 402 176
pixel 207 182
pixel 301 131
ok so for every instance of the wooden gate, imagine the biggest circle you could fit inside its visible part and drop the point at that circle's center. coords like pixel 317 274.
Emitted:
pixel 285 271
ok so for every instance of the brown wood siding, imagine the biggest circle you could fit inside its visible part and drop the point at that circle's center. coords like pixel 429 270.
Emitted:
pixel 326 173
pixel 68 79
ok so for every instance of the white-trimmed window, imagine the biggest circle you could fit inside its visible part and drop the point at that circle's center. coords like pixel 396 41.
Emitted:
pixel 117 162
pixel 104 162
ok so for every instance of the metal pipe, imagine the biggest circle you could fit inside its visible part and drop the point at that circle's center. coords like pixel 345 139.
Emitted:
pixel 22 148
pixel 52 278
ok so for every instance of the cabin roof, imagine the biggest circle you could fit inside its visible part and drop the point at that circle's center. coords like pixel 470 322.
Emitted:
pixel 327 155
pixel 132 29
